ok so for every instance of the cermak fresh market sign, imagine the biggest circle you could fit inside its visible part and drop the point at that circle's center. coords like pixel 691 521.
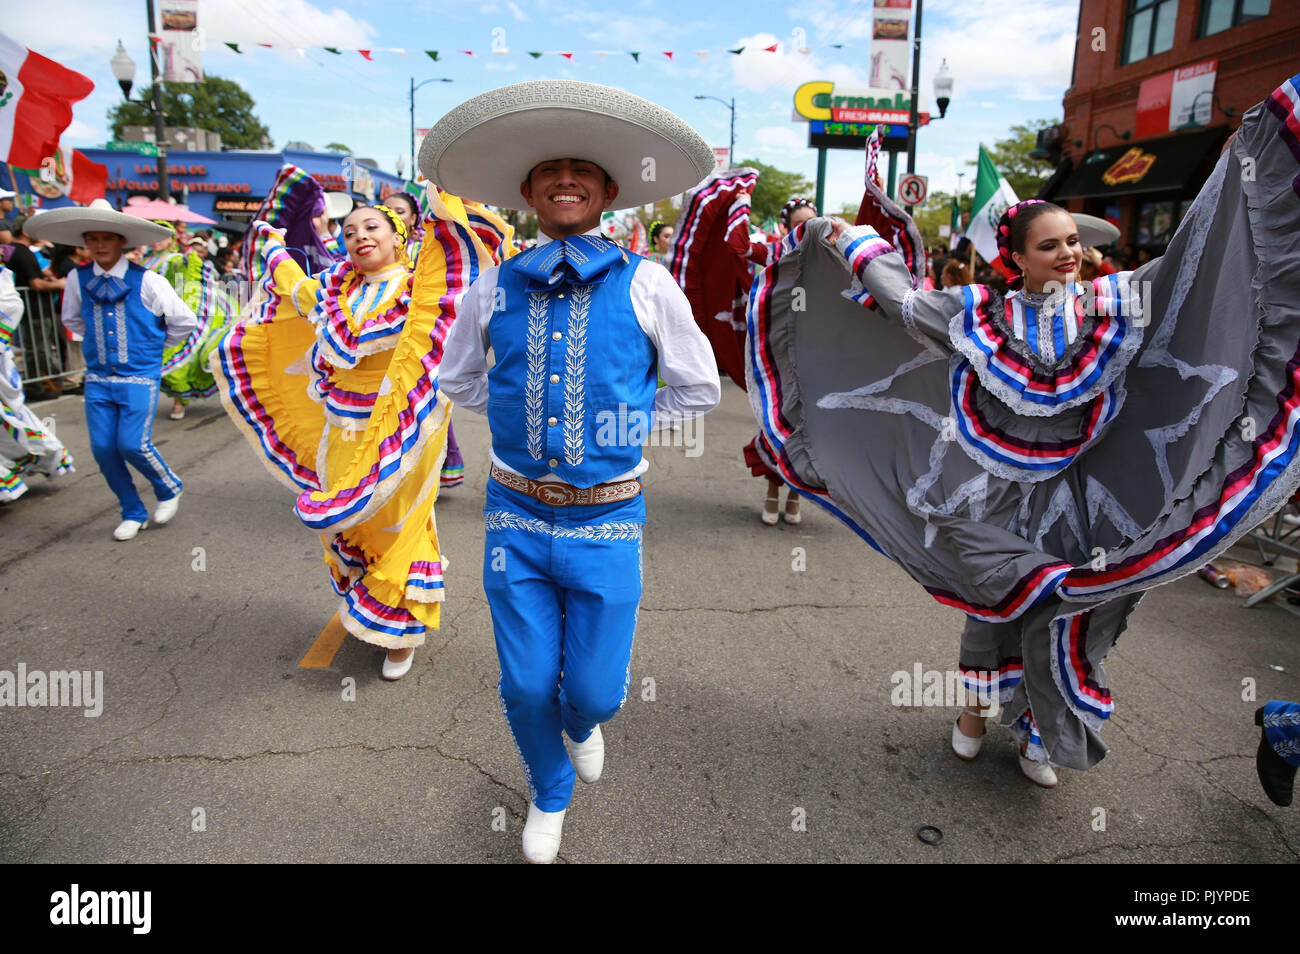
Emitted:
pixel 820 100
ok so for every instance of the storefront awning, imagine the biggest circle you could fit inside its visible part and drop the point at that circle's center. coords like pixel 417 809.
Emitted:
pixel 1169 164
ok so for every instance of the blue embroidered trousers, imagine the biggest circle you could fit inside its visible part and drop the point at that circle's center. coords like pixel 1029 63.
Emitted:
pixel 119 416
pixel 1282 729
pixel 564 587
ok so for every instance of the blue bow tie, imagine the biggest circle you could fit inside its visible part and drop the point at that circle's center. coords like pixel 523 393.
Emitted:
pixel 106 289
pixel 578 260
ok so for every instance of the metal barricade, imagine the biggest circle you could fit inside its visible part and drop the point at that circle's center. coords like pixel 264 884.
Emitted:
pixel 49 361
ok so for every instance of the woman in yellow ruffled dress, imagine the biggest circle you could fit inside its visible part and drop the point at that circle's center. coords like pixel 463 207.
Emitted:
pixel 334 382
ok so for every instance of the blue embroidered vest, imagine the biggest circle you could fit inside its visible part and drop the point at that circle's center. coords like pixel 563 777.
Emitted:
pixel 122 338
pixel 574 382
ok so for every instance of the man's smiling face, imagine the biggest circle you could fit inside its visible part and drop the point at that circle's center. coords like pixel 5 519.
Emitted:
pixel 568 195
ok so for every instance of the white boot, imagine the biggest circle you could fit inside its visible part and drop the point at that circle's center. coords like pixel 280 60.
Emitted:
pixel 964 746
pixel 166 510
pixel 393 671
pixel 542 835
pixel 129 528
pixel 1040 773
pixel 588 757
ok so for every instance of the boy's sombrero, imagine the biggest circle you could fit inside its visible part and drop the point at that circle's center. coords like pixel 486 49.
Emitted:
pixel 67 226
pixel 484 148
pixel 338 204
pixel 1094 231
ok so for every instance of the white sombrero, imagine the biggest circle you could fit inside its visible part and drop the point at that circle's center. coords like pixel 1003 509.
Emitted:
pixel 484 148
pixel 1094 231
pixel 338 204
pixel 67 226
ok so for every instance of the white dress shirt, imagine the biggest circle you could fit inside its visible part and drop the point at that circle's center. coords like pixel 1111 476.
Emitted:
pixel 155 294
pixel 686 363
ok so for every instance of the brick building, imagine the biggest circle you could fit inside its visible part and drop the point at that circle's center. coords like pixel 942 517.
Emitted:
pixel 1157 87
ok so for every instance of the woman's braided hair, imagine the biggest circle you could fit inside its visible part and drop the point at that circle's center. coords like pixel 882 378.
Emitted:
pixel 399 227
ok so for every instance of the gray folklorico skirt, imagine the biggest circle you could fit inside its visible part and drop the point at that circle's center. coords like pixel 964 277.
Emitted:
pixel 1041 471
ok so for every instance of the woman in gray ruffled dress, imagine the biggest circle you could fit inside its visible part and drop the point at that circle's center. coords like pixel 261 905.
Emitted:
pixel 1040 459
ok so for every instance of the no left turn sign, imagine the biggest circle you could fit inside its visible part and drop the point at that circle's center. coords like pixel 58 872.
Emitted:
pixel 912 189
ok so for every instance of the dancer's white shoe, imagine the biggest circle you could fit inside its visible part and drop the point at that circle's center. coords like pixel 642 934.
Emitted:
pixel 166 510
pixel 392 671
pixel 588 757
pixel 542 835
pixel 1040 773
pixel 127 529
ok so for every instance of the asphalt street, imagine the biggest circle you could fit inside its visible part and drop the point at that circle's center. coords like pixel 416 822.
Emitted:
pixel 759 728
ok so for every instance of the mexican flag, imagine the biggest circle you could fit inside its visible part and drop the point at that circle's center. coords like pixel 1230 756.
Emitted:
pixel 993 196
pixel 71 173
pixel 36 97
pixel 954 236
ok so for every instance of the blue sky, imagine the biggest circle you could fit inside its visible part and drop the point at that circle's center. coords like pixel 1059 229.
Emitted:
pixel 1007 70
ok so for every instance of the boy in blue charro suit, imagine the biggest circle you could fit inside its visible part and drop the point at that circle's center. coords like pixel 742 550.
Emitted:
pixel 579 327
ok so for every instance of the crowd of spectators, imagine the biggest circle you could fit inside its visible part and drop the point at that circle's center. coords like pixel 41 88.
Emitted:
pixel 40 271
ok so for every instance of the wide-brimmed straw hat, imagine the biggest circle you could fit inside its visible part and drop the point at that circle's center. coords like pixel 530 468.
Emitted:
pixel 1094 231
pixel 338 204
pixel 484 148
pixel 68 226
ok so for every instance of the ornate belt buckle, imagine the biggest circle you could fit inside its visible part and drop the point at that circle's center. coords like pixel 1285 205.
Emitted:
pixel 556 495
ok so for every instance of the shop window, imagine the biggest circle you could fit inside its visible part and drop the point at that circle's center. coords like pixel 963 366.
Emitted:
pixel 1149 28
pixel 1220 15
pixel 1156 222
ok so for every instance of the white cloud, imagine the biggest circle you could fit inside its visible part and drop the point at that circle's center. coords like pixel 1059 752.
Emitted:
pixel 941 171
pixel 80 130
pixel 1031 52
pixel 643 33
pixel 519 14
pixel 835 21
pixel 286 22
pixel 756 68
pixel 781 139
pixel 93 33
pixel 1028 55
pixel 84 133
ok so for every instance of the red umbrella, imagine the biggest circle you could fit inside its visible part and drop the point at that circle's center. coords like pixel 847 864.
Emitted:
pixel 155 209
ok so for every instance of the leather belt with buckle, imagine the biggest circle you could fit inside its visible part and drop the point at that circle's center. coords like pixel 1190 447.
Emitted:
pixel 555 494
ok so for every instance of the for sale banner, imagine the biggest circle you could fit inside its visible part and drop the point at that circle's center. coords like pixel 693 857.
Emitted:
pixel 1192 98
pixel 1175 98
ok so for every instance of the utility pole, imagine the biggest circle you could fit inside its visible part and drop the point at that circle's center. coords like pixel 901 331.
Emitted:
pixel 414 87
pixel 159 121
pixel 914 121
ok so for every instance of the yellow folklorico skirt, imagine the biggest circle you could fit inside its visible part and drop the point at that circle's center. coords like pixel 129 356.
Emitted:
pixel 347 412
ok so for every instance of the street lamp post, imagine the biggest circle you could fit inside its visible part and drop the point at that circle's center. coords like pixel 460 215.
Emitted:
pixel 731 146
pixel 943 96
pixel 159 123
pixel 914 118
pixel 123 68
pixel 414 87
